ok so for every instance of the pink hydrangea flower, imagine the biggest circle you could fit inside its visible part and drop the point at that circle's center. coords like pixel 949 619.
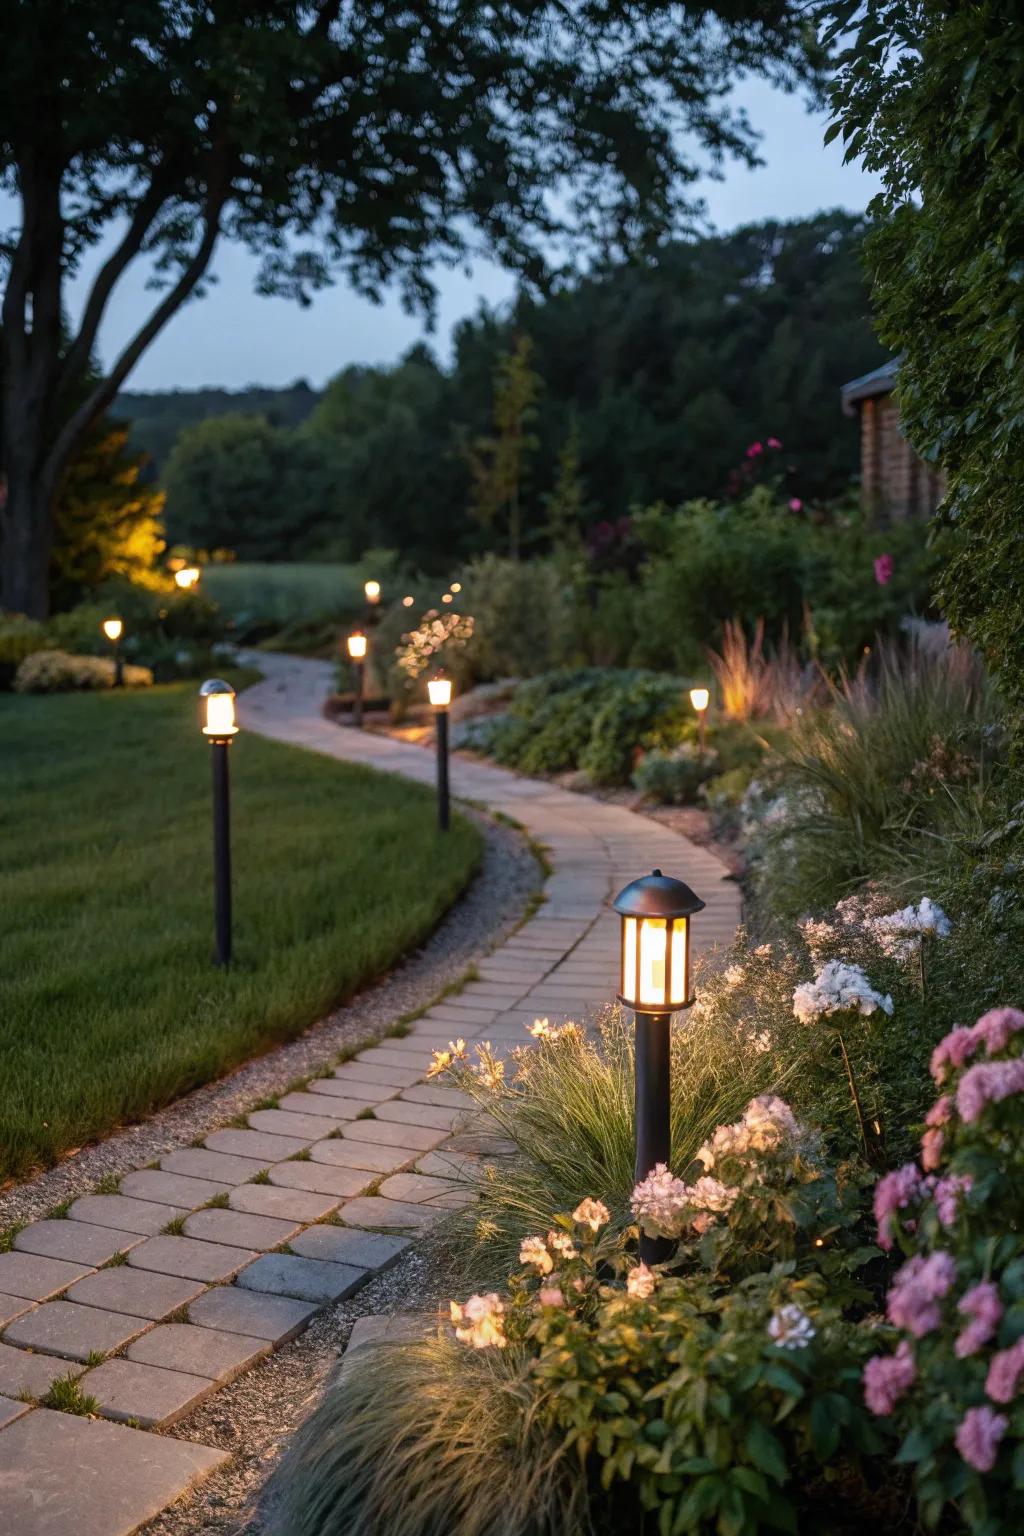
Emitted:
pixel 941 1112
pixel 982 1305
pixel 978 1437
pixel 883 570
pixel 913 1301
pixel 997 1027
pixel 931 1149
pixel 888 1377
pixel 795 504
pixel 988 1083
pixel 894 1192
pixel 954 1051
pixel 1005 1372
pixel 947 1194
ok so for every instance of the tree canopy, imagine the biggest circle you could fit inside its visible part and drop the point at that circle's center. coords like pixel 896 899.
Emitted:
pixel 929 96
pixel 337 139
pixel 651 382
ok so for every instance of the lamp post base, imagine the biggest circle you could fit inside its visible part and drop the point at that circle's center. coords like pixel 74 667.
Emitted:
pixel 221 854
pixel 443 799
pixel 653 1112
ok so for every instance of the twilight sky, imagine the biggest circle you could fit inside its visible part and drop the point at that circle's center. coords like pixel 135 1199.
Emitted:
pixel 233 337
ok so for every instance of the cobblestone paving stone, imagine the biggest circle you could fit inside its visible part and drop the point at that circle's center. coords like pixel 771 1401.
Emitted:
pixel 227 1249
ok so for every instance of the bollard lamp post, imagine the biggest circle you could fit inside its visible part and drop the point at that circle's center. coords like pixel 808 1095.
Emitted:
pixel 700 698
pixel 654 980
pixel 187 578
pixel 114 629
pixel 219 728
pixel 439 691
pixel 357 656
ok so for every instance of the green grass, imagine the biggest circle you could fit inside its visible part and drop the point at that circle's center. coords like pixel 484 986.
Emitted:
pixel 109 1003
pixel 284 594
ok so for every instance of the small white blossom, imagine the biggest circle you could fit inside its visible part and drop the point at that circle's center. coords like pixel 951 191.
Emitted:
pixel 659 1203
pixel 896 931
pixel 543 1029
pixel 767 1124
pixel 532 1251
pixel 592 1214
pixel 641 1282
pixel 478 1321
pixel 837 988
pixel 791 1328
pixel 712 1195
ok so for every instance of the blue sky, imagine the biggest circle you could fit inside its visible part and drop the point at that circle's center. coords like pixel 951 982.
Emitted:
pixel 233 337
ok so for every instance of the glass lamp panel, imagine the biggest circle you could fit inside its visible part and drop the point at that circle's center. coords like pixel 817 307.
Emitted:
pixel 357 647
pixel 680 980
pixel 653 955
pixel 628 983
pixel 220 715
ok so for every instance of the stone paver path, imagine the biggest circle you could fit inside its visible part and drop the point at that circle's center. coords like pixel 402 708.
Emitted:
pixel 148 1300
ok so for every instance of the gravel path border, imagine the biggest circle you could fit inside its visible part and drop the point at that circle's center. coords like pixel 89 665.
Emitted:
pixel 491 907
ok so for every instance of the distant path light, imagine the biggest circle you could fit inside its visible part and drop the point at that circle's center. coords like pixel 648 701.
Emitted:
pixel 220 728
pixel 187 577
pixel 114 629
pixel 357 644
pixel 439 692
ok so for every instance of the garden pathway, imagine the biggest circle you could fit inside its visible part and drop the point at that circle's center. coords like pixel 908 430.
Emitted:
pixel 149 1299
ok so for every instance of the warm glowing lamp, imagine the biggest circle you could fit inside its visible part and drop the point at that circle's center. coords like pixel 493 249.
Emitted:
pixel 447 598
pixel 219 728
pixel 219 698
pixel 654 980
pixel 407 602
pixel 439 691
pixel 357 655
pixel 700 698
pixel 357 646
pixel 456 586
pixel 187 577
pixel 372 591
pixel 113 629
pixel 655 960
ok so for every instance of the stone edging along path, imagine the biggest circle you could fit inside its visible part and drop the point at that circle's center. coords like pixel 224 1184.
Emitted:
pixel 149 1299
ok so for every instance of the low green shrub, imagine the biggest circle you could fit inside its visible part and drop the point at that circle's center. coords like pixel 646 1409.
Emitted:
pixel 172 633
pixel 19 637
pixel 60 672
pixel 676 776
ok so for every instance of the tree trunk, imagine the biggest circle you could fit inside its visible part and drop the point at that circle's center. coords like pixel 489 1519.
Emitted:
pixel 27 519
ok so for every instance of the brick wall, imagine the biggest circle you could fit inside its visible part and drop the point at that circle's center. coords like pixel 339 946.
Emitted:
pixel 896 484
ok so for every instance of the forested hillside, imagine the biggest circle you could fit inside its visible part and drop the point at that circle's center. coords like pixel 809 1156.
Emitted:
pixel 634 385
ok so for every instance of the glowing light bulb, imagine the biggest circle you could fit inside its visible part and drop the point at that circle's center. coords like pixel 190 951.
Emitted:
pixel 357 646
pixel 372 591
pixel 113 629
pixel 439 691
pixel 187 577
pixel 700 698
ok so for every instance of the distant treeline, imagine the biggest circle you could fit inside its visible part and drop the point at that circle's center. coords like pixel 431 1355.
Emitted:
pixel 646 384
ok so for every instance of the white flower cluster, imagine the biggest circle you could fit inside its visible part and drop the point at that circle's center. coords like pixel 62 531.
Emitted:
pixel 478 1321
pixel 791 1328
pixel 767 1124
pixel 592 1214
pixel 837 988
pixel 897 931
pixel 544 1030
pixel 664 1205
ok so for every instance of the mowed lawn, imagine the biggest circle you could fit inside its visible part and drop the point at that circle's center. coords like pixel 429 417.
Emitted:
pixel 109 1003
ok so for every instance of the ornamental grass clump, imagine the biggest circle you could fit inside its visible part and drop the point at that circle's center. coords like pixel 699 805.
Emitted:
pixel 953 1385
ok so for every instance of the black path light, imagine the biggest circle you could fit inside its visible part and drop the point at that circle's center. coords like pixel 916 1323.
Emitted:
pixel 219 727
pixel 114 629
pixel 655 982
pixel 439 691
pixel 700 698
pixel 357 656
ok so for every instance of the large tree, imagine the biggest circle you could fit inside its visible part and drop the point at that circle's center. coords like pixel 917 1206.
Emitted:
pixel 351 138
pixel 928 96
